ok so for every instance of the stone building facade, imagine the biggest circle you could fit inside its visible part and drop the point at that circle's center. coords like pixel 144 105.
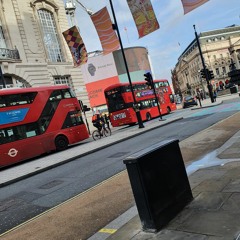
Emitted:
pixel 219 49
pixel 33 51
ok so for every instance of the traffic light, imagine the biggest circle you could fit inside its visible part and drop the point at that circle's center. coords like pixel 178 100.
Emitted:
pixel 203 75
pixel 210 74
pixel 84 108
pixel 148 79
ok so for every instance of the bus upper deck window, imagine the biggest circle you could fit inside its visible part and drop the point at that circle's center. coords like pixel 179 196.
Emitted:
pixel 56 95
pixel 66 93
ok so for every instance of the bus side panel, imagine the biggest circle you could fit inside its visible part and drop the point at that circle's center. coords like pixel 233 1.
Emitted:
pixel 153 111
pixel 20 150
pixel 75 134
pixel 123 117
pixel 28 148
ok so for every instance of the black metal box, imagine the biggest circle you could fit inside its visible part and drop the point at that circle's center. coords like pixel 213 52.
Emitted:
pixel 159 183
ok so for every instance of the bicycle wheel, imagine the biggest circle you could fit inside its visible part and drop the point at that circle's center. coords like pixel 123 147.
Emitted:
pixel 107 132
pixel 96 135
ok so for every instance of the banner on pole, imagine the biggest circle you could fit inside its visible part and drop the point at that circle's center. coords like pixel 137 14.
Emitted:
pixel 106 34
pixel 144 16
pixel 76 46
pixel 189 5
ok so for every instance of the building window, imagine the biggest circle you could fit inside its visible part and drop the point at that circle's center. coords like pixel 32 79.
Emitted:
pixel 50 36
pixel 217 71
pixel 8 82
pixel 224 70
pixel 63 80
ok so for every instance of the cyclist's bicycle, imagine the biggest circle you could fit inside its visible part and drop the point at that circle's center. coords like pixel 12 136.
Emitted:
pixel 104 132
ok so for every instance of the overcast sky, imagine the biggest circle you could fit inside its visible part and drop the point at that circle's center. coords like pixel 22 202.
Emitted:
pixel 176 30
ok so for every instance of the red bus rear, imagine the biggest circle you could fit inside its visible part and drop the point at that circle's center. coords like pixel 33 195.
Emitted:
pixel 38 120
pixel 121 104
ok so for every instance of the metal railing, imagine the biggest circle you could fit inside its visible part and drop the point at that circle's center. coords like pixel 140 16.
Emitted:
pixel 9 54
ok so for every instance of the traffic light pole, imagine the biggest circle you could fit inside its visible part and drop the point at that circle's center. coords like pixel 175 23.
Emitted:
pixel 204 67
pixel 136 108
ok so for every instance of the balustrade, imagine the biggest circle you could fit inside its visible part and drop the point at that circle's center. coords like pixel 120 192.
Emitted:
pixel 9 54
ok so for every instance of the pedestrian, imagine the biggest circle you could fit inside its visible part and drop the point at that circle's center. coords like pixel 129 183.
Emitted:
pixel 201 95
pixel 106 118
pixel 214 95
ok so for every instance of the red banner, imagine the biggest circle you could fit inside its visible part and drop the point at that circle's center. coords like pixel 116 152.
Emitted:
pixel 143 16
pixel 107 35
pixel 189 5
pixel 76 46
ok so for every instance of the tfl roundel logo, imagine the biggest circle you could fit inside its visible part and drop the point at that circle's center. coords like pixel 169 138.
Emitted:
pixel 12 152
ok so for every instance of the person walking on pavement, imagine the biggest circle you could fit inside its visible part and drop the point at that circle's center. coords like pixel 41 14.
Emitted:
pixel 106 119
pixel 214 95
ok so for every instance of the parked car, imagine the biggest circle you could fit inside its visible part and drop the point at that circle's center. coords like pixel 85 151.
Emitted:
pixel 189 101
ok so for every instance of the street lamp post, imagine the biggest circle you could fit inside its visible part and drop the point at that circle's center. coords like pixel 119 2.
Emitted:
pixel 140 123
pixel 204 67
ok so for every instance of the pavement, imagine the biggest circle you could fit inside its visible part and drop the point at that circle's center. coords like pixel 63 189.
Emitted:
pixel 214 212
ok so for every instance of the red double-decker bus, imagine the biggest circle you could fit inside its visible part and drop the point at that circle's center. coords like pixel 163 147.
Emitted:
pixel 38 120
pixel 120 101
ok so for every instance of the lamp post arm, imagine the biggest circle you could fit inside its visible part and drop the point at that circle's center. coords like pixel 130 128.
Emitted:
pixel 90 12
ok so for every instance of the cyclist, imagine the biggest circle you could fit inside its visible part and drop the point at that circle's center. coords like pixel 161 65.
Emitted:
pixel 98 122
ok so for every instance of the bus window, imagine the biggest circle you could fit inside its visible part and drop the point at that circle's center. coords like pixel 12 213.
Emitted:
pixel 171 96
pixel 2 137
pixel 73 118
pixel 2 102
pixel 31 130
pixel 17 99
pixel 66 93
pixel 56 95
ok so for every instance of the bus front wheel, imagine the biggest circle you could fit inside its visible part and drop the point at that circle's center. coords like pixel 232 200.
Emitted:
pixel 61 143
pixel 148 116
pixel 168 110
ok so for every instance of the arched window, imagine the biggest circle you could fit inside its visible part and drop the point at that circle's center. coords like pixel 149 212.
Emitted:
pixel 50 36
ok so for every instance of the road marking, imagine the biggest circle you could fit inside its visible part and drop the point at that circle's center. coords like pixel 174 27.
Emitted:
pixel 107 230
